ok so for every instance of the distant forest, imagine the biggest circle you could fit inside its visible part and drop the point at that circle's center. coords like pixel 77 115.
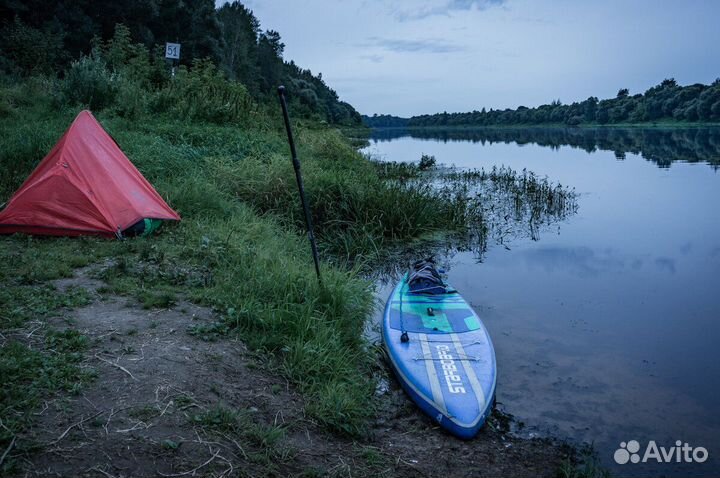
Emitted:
pixel 665 102
pixel 44 37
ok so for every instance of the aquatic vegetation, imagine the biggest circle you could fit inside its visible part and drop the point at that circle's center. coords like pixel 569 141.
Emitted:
pixel 485 207
pixel 427 161
pixel 504 204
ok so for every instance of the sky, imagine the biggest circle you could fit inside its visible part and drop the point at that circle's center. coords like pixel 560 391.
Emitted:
pixel 409 57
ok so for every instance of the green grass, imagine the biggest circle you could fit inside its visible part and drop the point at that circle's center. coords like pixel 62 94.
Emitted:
pixel 33 374
pixel 21 303
pixel 37 362
pixel 33 260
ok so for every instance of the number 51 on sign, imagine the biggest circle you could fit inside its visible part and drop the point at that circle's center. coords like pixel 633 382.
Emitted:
pixel 172 51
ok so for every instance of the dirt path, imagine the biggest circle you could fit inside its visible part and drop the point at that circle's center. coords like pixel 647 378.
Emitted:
pixel 167 403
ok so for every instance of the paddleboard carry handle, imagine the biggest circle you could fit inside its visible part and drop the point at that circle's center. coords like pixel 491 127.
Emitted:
pixel 404 337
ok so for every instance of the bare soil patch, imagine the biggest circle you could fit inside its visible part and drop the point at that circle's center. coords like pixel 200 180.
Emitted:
pixel 167 403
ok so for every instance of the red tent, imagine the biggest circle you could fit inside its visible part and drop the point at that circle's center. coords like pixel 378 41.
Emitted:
pixel 85 185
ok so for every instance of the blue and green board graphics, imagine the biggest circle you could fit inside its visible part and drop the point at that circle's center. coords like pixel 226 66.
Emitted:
pixel 448 364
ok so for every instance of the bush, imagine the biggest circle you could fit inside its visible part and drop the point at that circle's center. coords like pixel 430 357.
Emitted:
pixel 88 82
pixel 8 97
pixel 130 81
pixel 132 98
pixel 427 161
pixel 33 92
pixel 134 61
pixel 203 93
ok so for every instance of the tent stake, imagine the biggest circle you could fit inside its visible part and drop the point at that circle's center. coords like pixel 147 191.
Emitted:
pixel 298 177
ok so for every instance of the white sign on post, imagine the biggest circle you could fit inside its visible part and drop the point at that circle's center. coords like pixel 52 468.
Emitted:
pixel 172 51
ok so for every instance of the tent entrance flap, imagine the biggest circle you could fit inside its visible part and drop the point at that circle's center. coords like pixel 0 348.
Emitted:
pixel 144 228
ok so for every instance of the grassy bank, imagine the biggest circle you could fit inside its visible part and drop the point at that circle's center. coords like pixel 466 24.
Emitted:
pixel 239 249
pixel 236 249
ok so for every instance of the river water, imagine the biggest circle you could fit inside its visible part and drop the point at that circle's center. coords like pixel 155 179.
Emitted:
pixel 606 328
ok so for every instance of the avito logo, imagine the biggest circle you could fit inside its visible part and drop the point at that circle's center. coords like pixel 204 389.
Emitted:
pixel 680 453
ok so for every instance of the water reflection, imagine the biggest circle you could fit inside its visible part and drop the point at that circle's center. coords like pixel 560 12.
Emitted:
pixel 579 261
pixel 584 262
pixel 660 146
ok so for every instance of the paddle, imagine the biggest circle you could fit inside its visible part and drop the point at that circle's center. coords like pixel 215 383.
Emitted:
pixel 298 177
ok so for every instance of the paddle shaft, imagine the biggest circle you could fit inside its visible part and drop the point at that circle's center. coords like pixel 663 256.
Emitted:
pixel 298 177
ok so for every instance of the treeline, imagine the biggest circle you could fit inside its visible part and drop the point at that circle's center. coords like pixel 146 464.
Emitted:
pixel 384 121
pixel 667 101
pixel 47 37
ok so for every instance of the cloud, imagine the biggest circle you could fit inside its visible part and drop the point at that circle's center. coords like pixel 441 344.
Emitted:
pixel 446 8
pixel 415 46
pixel 666 263
pixel 372 58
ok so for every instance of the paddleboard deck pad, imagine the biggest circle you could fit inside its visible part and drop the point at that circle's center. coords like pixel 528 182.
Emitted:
pixel 447 364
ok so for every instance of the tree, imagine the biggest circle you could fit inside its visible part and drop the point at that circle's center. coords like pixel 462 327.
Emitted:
pixel 573 121
pixel 27 50
pixel 590 106
pixel 705 103
pixel 194 24
pixel 623 93
pixel 270 50
pixel 239 29
pixel 602 116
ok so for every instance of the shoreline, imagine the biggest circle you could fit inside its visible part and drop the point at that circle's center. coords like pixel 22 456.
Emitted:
pixel 659 125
